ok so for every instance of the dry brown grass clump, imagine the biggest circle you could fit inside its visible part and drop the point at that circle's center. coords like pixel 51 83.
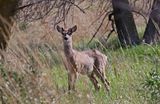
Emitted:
pixel 33 52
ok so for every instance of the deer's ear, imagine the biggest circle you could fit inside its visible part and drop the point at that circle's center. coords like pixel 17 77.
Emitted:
pixel 60 29
pixel 74 28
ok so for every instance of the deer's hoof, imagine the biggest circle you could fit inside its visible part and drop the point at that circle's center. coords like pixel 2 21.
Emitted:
pixel 98 86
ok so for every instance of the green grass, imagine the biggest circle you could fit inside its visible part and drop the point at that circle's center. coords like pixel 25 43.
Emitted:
pixel 126 72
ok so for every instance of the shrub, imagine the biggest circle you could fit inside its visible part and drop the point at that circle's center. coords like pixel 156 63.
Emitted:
pixel 151 86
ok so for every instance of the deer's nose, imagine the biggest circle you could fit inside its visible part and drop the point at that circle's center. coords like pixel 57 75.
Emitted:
pixel 65 38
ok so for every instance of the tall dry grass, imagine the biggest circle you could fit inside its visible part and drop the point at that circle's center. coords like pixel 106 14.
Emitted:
pixel 26 73
pixel 34 50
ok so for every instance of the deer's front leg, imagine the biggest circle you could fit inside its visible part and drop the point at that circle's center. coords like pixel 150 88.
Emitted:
pixel 72 77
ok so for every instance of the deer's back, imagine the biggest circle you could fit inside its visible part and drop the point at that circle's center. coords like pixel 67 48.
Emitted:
pixel 100 59
pixel 84 63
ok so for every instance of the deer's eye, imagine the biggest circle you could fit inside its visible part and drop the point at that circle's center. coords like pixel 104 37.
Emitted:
pixel 64 34
pixel 69 33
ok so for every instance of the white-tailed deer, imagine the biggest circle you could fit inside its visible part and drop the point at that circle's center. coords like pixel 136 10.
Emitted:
pixel 91 62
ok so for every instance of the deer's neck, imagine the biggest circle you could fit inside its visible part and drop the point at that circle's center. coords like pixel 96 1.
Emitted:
pixel 68 49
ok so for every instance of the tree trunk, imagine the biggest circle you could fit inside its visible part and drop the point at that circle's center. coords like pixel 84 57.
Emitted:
pixel 7 11
pixel 125 25
pixel 153 26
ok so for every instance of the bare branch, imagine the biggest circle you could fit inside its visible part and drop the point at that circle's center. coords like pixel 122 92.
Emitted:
pixel 141 15
pixel 98 28
pixel 76 6
pixel 112 24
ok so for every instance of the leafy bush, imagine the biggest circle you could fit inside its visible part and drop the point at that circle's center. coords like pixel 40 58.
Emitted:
pixel 151 86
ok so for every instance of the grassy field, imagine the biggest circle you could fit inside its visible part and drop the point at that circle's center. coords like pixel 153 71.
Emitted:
pixel 34 72
pixel 127 71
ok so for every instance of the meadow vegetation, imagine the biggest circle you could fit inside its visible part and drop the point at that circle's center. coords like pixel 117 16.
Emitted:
pixel 34 71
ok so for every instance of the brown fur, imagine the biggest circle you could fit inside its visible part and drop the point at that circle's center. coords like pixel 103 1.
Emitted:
pixel 91 62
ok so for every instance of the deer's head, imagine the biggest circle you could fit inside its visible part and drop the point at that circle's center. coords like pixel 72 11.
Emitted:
pixel 66 34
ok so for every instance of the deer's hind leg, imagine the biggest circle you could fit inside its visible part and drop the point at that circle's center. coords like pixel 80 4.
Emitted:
pixel 101 75
pixel 94 81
